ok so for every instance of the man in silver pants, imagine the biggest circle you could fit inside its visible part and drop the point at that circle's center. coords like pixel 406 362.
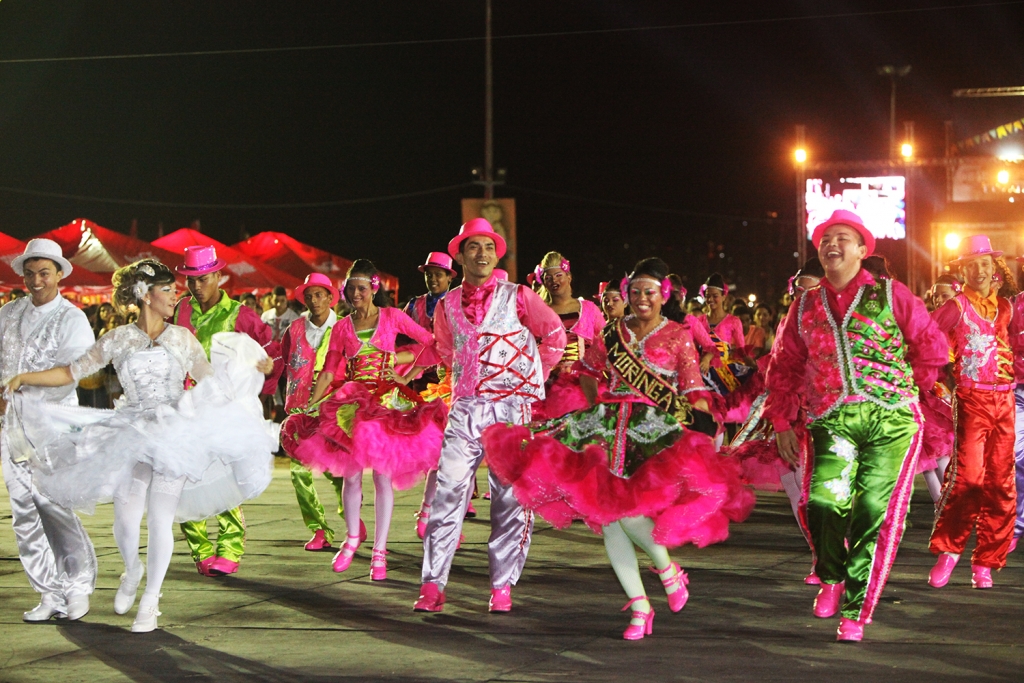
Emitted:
pixel 500 340
pixel 38 332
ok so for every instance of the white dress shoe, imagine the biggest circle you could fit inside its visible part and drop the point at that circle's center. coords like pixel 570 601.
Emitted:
pixel 78 607
pixel 145 620
pixel 44 611
pixel 126 592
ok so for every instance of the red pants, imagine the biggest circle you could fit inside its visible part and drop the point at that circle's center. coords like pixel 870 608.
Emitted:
pixel 979 487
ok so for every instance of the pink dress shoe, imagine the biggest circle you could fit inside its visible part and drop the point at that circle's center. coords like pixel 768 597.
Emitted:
pixel 850 631
pixel 812 579
pixel 638 631
pixel 221 566
pixel 981 577
pixel 939 575
pixel 677 599
pixel 826 604
pixel 470 510
pixel 1013 545
pixel 203 566
pixel 318 542
pixel 431 599
pixel 379 565
pixel 343 560
pixel 422 515
pixel 501 600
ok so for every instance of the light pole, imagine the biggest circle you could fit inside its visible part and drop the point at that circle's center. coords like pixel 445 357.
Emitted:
pixel 893 72
pixel 799 165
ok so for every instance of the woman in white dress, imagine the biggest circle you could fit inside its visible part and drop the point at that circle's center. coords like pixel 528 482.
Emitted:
pixel 180 455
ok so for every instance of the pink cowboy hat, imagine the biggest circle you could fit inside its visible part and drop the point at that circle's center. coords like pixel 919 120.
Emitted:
pixel 200 260
pixel 844 217
pixel 438 260
pixel 477 226
pixel 316 280
pixel 976 245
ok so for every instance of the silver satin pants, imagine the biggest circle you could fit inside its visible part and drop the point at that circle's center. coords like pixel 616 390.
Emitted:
pixel 52 543
pixel 461 453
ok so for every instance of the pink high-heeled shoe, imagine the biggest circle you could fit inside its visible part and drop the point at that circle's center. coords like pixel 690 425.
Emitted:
pixel 343 560
pixel 379 565
pixel 638 631
pixel 677 599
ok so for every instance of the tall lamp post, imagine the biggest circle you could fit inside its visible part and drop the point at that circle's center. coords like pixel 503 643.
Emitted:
pixel 799 165
pixel 893 72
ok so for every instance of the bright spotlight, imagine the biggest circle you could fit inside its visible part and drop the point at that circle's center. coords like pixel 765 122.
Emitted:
pixel 800 155
pixel 907 150
pixel 1003 177
pixel 952 241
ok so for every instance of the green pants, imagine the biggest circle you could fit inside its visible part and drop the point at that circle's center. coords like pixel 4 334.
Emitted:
pixel 230 537
pixel 858 490
pixel 312 509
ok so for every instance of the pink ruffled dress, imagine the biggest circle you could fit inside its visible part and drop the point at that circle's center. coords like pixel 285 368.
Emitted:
pixel 369 421
pixel 737 383
pixel 626 457
pixel 563 392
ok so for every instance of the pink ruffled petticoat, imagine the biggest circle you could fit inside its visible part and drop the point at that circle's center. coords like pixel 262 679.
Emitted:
pixel 690 491
pixel 404 445
pixel 939 431
pixel 564 396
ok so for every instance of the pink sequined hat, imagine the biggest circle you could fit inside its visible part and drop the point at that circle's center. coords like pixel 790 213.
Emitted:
pixel 438 260
pixel 477 226
pixel 844 217
pixel 316 280
pixel 200 260
pixel 976 245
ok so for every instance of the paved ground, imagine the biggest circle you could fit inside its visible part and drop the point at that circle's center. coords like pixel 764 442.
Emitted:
pixel 286 617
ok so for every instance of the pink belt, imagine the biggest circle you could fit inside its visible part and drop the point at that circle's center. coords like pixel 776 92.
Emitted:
pixel 985 386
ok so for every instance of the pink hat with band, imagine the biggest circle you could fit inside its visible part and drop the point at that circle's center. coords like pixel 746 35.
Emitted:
pixel 440 260
pixel 848 218
pixel 976 245
pixel 471 228
pixel 316 280
pixel 200 260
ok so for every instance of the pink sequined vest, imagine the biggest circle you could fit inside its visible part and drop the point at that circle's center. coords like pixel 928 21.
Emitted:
pixel 982 347
pixel 862 358
pixel 498 359
pixel 304 365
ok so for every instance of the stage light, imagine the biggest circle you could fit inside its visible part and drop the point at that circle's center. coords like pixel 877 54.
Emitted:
pixel 800 155
pixel 907 150
pixel 952 241
pixel 1003 177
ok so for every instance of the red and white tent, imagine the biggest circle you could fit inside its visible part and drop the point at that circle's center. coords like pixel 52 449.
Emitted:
pixel 300 259
pixel 243 273
pixel 101 250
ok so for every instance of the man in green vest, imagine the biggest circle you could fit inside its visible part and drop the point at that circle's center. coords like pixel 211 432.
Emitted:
pixel 208 311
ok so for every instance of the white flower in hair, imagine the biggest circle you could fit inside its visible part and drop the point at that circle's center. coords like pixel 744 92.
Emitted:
pixel 140 289
pixel 147 269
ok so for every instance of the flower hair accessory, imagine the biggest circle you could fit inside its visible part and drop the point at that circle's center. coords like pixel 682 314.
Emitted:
pixel 374 281
pixel 538 275
pixel 704 290
pixel 147 269
pixel 140 289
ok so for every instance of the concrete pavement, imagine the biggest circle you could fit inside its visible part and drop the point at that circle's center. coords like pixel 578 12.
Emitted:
pixel 287 617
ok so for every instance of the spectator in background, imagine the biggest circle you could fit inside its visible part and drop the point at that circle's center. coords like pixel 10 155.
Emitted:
pixel 16 294
pixel 742 311
pixel 249 300
pixel 281 315
pixel 761 334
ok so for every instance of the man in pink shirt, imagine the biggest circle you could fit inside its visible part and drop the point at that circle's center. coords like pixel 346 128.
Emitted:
pixel 853 351
pixel 500 340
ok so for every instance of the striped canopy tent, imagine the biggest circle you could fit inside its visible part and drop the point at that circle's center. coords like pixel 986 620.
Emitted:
pixel 80 284
pixel 242 273
pixel 300 259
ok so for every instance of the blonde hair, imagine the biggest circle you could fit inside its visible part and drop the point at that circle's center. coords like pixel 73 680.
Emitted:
pixel 552 259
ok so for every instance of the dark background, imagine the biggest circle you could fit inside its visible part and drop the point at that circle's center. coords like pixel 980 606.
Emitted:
pixel 690 128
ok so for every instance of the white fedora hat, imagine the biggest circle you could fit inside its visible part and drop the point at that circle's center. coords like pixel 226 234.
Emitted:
pixel 42 248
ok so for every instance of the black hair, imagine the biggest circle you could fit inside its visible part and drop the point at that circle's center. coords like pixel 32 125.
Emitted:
pixel 149 271
pixel 739 308
pixel 57 266
pixel 715 280
pixel 280 291
pixel 365 268
pixel 812 268
pixel 657 269
pixel 878 266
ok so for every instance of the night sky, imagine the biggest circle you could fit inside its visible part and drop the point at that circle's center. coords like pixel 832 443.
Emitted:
pixel 683 133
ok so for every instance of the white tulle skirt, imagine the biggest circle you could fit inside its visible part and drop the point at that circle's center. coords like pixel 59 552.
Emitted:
pixel 214 436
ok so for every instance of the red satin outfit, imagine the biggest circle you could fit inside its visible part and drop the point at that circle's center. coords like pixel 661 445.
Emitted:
pixel 979 489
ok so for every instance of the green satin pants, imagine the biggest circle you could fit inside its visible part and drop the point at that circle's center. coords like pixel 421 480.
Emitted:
pixel 230 537
pixel 858 491
pixel 313 515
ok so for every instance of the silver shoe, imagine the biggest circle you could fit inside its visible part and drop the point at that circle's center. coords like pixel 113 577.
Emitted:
pixel 45 610
pixel 145 620
pixel 124 598
pixel 78 607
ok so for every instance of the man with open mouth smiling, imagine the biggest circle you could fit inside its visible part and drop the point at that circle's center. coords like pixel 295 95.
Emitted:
pixel 854 351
